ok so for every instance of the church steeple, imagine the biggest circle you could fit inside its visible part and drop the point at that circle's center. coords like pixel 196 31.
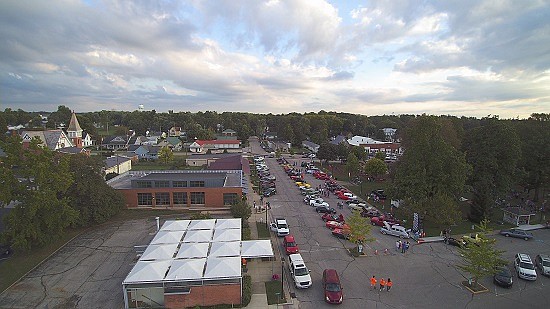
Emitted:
pixel 75 131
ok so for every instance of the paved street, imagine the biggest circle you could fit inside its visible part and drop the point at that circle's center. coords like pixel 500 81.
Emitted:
pixel 425 277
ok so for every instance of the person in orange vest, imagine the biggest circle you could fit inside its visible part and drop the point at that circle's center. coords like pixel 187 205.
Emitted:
pixel 389 285
pixel 372 283
pixel 382 284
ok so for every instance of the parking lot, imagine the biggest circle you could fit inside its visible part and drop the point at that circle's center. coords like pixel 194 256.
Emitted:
pixel 425 277
pixel 87 273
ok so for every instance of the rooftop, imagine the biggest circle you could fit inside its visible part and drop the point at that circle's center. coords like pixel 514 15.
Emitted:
pixel 229 178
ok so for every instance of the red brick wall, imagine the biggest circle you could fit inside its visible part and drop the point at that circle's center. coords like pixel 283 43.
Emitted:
pixel 213 196
pixel 207 295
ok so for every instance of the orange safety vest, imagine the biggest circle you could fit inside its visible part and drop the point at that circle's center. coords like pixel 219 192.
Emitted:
pixel 389 283
pixel 372 281
pixel 382 282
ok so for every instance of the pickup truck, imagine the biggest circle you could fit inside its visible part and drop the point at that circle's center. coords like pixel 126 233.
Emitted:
pixel 280 227
pixel 298 271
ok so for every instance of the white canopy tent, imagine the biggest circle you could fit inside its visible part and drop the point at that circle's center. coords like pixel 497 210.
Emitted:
pixel 256 249
pixel 193 250
pixel 147 271
pixel 227 235
pixel 159 252
pixel 228 224
pixel 175 225
pixel 187 269
pixel 198 236
pixel 207 224
pixel 167 237
pixel 218 249
pixel 219 268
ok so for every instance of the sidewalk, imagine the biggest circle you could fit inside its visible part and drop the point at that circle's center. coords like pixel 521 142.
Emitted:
pixel 262 271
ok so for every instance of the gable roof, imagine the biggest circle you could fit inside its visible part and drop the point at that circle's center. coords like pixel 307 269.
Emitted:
pixel 172 140
pixel 339 139
pixel 49 138
pixel 217 142
pixel 115 140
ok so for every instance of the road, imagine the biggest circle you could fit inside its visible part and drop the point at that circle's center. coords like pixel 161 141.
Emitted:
pixel 424 277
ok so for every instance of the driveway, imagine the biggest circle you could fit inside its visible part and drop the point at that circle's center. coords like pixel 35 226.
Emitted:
pixel 86 273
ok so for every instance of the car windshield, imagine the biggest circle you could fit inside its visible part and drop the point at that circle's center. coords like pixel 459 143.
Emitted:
pixel 546 263
pixel 282 226
pixel 526 265
pixel 504 272
pixel 291 244
pixel 333 287
pixel 301 271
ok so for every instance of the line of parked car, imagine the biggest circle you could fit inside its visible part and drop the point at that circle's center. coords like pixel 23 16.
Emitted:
pixel 267 181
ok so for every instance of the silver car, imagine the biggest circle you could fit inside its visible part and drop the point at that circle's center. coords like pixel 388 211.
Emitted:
pixel 542 261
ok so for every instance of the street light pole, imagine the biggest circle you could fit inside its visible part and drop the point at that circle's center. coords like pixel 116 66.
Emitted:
pixel 282 278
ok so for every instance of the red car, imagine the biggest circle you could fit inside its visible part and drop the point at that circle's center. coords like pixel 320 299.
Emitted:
pixel 332 217
pixel 346 196
pixel 380 220
pixel 336 225
pixel 290 245
pixel 332 287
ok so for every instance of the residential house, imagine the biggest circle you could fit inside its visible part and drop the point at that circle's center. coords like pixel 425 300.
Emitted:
pixel 74 150
pixel 201 146
pixel 147 152
pixel 115 142
pixel 118 164
pixel 86 140
pixel 175 131
pixel 172 142
pixel 339 140
pixel 52 139
pixel 311 146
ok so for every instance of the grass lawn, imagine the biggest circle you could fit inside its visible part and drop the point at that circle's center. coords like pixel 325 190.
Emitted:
pixel 263 231
pixel 273 290
pixel 21 262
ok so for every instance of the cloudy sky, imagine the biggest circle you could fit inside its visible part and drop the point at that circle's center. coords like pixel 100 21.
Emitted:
pixel 463 57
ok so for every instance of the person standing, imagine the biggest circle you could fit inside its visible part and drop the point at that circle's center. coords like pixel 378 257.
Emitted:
pixel 397 245
pixel 382 284
pixel 406 246
pixel 373 283
pixel 389 285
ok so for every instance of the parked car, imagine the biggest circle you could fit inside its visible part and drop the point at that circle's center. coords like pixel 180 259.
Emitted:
pixel 454 242
pixel 371 213
pixel 525 267
pixel 379 221
pixel 340 233
pixel 298 271
pixel 346 196
pixel 379 194
pixel 269 192
pixel 517 233
pixel 357 206
pixel 471 239
pixel 503 277
pixel 332 287
pixel 542 261
pixel 323 209
pixel 280 227
pixel 332 217
pixel 290 245
pixel 318 202
pixel 395 230
pixel 336 225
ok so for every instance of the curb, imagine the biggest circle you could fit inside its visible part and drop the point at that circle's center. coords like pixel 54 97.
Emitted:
pixel 472 291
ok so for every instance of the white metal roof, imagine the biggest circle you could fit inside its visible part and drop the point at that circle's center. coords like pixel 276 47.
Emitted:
pixel 193 250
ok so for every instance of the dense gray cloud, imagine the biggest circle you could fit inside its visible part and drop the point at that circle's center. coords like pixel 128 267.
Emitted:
pixel 465 57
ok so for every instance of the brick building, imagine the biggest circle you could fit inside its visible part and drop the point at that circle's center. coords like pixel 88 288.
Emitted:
pixel 192 263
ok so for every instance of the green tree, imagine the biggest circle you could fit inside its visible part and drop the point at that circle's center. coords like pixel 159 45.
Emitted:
pixel 380 155
pixel 358 152
pixel 327 152
pixel 3 127
pixel 493 151
pixel 201 216
pixel 352 164
pixel 481 259
pixel 166 155
pixel 94 200
pixel 288 134
pixel 241 209
pixel 430 170
pixel 62 115
pixel 375 167
pixel 535 144
pixel 43 212
pixel 359 228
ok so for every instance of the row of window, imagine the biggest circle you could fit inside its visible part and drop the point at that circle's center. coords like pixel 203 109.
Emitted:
pixel 166 184
pixel 180 198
